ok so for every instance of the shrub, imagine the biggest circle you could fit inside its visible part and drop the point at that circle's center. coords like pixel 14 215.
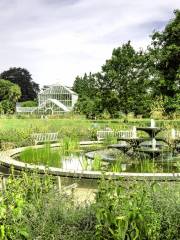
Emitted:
pixel 137 211
pixel 29 104
pixel 32 208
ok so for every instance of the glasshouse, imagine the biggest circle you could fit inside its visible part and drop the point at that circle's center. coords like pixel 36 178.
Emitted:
pixel 54 99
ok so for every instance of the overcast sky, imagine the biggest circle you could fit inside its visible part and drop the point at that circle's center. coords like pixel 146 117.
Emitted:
pixel 56 40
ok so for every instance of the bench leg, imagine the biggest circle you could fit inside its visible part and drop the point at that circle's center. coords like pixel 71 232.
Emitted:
pixel 59 184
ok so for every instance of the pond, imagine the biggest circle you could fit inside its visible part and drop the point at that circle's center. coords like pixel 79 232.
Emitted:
pixel 96 159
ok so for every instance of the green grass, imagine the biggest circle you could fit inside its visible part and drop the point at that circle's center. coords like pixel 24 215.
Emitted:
pixel 18 131
pixel 55 124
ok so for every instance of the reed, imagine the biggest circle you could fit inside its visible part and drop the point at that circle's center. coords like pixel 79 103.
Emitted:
pixel 45 156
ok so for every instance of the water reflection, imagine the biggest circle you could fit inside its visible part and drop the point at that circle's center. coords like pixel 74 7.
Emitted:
pixel 74 162
pixel 106 161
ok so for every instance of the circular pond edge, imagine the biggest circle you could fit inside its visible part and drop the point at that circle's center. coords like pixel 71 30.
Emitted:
pixel 7 160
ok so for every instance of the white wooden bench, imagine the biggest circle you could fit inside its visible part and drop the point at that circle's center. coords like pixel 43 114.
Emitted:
pixel 101 135
pixel 44 137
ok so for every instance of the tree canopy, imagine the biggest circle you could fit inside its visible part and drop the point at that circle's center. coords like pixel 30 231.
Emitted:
pixel 131 81
pixel 165 51
pixel 9 95
pixel 22 77
pixel 128 76
pixel 121 86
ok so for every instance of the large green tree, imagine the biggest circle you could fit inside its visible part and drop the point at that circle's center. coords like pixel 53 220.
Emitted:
pixel 127 74
pixel 85 86
pixel 23 78
pixel 165 53
pixel 89 102
pixel 9 95
pixel 131 80
pixel 122 85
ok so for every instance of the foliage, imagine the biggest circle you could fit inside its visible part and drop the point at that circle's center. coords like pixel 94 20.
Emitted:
pixel 97 163
pixel 165 53
pixel 9 94
pixel 126 74
pixel 88 106
pixel 46 156
pixel 137 211
pixel 32 208
pixel 130 79
pixel 6 107
pixel 121 86
pixel 157 108
pixel 15 202
pixel 85 86
pixel 89 102
pixel 22 77
pixel 29 104
pixel 9 91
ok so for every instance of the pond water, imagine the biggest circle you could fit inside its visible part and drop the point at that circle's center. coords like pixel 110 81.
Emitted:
pixel 76 162
pixel 107 160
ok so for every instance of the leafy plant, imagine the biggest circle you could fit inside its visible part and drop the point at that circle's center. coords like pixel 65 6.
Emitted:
pixel 134 210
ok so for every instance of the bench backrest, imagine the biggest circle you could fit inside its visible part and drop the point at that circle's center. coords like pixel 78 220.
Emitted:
pixel 124 134
pixel 118 134
pixel 104 134
pixel 45 137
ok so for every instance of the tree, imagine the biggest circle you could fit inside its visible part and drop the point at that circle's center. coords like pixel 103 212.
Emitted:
pixel 85 86
pixel 131 80
pixel 126 73
pixel 165 52
pixel 9 95
pixel 23 78
pixel 90 107
pixel 107 93
pixel 123 84
pixel 89 102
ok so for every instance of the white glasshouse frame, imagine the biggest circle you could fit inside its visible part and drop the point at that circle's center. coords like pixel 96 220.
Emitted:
pixel 54 99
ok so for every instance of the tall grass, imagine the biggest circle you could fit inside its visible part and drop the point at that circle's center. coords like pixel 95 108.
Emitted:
pixel 69 145
pixel 44 156
pixel 97 163
pixel 50 156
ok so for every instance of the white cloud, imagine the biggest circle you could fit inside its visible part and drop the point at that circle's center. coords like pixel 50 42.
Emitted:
pixel 59 39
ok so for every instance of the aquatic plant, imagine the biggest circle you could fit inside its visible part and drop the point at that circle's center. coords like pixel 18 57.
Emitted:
pixel 43 156
pixel 97 163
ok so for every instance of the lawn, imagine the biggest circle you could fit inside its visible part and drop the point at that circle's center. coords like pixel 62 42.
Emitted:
pixel 18 131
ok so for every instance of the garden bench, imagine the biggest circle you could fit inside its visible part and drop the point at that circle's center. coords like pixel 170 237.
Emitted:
pixel 125 134
pixel 101 135
pixel 44 137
